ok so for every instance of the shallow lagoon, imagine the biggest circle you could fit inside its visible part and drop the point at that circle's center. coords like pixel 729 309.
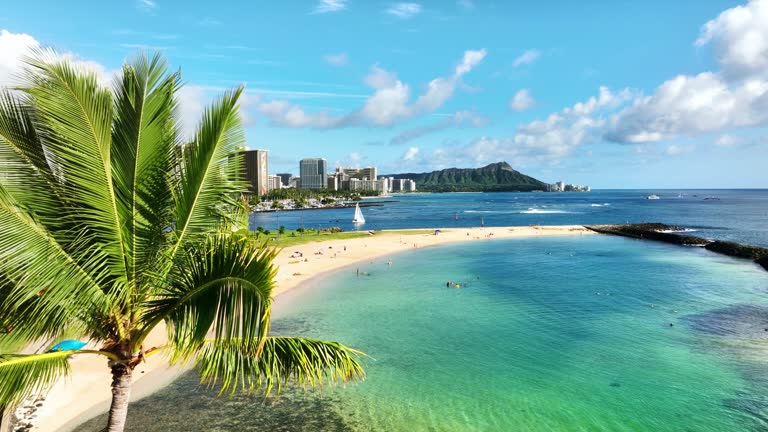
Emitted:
pixel 569 333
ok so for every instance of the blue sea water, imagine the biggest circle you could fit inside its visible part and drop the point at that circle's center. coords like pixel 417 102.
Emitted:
pixel 735 215
pixel 580 333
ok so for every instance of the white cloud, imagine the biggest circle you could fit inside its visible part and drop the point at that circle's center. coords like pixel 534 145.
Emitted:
pixel 285 114
pixel 390 102
pixel 352 160
pixel 340 59
pixel 692 105
pixel 410 154
pixel 676 150
pixel 739 39
pixel 326 6
pixel 527 57
pixel 726 140
pixel 191 101
pixel 404 10
pixel 735 96
pixel 458 119
pixel 380 78
pixel 521 101
pixel 548 140
pixel 13 47
pixel 147 5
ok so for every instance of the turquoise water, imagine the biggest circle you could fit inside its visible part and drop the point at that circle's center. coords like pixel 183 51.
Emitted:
pixel 545 334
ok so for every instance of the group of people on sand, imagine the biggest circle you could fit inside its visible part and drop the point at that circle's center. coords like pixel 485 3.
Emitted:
pixel 299 254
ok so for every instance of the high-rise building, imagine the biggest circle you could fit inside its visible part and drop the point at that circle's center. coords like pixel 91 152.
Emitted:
pixel 367 173
pixel 285 178
pixel 380 186
pixel 313 173
pixel 333 182
pixel 273 182
pixel 256 167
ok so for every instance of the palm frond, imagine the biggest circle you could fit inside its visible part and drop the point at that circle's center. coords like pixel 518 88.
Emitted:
pixel 237 364
pixel 143 143
pixel 224 290
pixel 25 375
pixel 208 179
pixel 48 288
pixel 77 113
pixel 24 170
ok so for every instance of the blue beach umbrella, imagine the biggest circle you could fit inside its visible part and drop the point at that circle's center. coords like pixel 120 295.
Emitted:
pixel 68 345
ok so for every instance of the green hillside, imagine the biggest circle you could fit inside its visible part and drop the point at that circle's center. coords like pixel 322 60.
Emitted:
pixel 496 177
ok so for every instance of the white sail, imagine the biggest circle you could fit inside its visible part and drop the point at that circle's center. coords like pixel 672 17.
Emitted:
pixel 358 215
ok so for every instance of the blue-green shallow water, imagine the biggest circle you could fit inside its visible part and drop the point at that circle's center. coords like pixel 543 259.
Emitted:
pixel 546 334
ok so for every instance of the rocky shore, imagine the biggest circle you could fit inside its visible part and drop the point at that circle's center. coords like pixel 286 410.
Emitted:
pixel 675 235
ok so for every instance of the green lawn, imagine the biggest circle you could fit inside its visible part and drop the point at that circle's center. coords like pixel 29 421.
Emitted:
pixel 293 238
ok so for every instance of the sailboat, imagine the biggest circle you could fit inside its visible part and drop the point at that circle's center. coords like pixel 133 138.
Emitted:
pixel 358 215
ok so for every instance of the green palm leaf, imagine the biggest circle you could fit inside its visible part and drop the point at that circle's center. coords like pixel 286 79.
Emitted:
pixel 208 179
pixel 224 290
pixel 50 289
pixel 24 375
pixel 78 113
pixel 143 144
pixel 237 364
pixel 109 226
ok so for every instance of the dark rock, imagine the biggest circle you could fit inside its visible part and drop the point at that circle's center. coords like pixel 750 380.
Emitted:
pixel 763 262
pixel 738 250
pixel 661 232
pixel 650 231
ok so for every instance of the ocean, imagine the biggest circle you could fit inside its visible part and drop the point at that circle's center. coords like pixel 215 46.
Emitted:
pixel 735 215
pixel 572 333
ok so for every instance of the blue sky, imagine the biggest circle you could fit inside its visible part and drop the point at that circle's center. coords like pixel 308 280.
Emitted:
pixel 611 94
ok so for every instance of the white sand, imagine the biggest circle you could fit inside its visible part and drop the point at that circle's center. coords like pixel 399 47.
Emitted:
pixel 87 392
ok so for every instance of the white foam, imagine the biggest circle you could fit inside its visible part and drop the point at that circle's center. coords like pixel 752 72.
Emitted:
pixel 600 205
pixel 542 211
pixel 684 230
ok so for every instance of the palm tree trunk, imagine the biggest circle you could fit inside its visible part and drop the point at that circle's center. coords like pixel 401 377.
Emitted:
pixel 121 393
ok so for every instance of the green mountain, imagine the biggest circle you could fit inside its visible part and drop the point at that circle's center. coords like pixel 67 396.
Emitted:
pixel 496 177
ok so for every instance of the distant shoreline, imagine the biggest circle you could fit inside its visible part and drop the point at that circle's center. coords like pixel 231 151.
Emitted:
pixel 345 206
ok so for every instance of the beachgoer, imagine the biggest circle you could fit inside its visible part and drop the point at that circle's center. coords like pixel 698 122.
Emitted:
pixel 358 272
pixel 448 285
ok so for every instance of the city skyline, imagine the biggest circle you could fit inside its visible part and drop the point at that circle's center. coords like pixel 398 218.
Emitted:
pixel 615 96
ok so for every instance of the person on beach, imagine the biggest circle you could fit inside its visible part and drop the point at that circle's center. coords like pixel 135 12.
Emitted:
pixel 358 272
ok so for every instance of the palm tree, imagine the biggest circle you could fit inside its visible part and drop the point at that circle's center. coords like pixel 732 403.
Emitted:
pixel 112 226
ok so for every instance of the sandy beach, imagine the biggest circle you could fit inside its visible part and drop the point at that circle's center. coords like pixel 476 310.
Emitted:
pixel 87 392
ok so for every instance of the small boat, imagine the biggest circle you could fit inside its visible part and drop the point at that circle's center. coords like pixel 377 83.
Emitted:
pixel 358 219
pixel 653 197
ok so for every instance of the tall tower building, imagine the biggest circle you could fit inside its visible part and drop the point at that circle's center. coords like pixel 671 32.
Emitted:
pixel 313 173
pixel 285 178
pixel 256 168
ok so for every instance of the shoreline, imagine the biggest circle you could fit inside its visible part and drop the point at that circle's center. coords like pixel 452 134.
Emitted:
pixel 86 393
